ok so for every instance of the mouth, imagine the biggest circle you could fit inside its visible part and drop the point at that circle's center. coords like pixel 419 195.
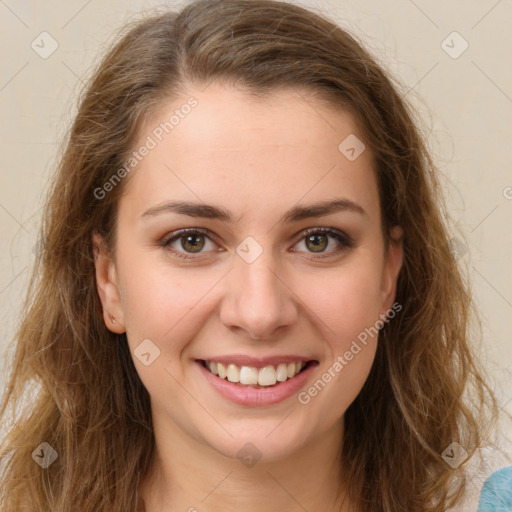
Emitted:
pixel 262 377
pixel 252 382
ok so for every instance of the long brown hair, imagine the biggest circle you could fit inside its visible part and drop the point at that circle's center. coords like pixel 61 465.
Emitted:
pixel 74 381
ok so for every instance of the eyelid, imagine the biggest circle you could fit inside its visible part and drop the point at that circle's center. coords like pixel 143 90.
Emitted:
pixel 181 233
pixel 335 233
pixel 343 238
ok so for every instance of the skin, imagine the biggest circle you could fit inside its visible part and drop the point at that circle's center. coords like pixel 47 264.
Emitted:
pixel 256 158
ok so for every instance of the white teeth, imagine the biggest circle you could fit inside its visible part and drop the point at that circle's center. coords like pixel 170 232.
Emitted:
pixel 267 376
pixel 250 376
pixel 282 372
pixel 221 369
pixel 233 373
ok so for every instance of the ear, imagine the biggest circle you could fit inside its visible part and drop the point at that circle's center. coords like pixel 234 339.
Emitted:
pixel 107 286
pixel 392 266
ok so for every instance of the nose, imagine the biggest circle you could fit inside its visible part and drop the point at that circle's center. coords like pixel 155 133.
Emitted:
pixel 258 300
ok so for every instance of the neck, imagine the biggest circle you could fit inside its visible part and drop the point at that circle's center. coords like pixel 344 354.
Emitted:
pixel 186 475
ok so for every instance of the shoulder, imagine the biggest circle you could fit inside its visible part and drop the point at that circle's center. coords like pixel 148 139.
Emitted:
pixel 496 495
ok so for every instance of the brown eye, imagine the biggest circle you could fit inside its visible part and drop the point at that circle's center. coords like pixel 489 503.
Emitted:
pixel 317 243
pixel 188 242
pixel 192 243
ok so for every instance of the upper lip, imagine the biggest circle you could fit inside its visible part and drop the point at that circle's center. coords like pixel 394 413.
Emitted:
pixel 257 362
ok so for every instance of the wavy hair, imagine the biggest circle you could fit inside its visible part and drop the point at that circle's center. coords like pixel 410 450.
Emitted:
pixel 73 383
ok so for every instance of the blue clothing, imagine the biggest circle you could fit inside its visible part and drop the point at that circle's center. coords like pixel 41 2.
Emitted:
pixel 496 495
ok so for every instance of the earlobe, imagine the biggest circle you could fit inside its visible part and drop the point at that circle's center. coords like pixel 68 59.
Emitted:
pixel 393 264
pixel 107 286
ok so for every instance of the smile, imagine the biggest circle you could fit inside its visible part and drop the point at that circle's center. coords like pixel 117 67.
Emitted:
pixel 255 377
pixel 256 382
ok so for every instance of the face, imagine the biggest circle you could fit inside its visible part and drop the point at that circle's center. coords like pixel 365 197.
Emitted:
pixel 285 266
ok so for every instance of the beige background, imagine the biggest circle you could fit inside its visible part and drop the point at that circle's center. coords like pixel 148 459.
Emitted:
pixel 466 104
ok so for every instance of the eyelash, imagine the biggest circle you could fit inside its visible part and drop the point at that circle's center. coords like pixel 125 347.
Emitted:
pixel 346 242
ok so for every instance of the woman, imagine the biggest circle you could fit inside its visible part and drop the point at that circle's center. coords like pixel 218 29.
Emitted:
pixel 246 297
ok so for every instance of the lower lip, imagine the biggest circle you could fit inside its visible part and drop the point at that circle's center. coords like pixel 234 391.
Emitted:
pixel 253 397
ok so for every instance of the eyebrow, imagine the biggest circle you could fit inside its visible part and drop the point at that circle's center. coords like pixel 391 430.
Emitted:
pixel 294 214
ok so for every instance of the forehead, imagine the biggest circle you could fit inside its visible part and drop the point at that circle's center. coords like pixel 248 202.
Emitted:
pixel 249 152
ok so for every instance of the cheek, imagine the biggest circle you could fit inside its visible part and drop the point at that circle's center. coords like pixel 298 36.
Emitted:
pixel 346 304
pixel 346 301
pixel 163 307
pixel 347 307
pixel 156 301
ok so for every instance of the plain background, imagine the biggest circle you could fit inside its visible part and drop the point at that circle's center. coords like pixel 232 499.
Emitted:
pixel 465 102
